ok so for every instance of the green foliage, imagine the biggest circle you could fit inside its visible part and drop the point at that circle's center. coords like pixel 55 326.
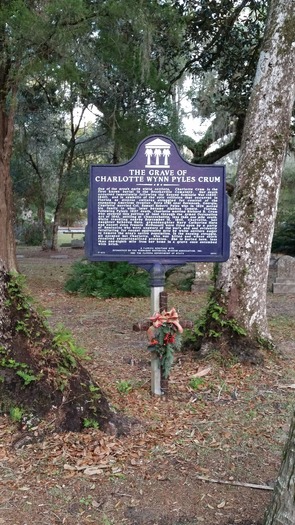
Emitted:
pixel 267 344
pixel 212 322
pixel 107 279
pixel 284 237
pixel 217 313
pixel 90 423
pixel 16 414
pixel 31 233
pixel 27 376
pixel 222 43
pixel 95 392
pixel 196 382
pixel 141 57
pixel 22 369
pixel 75 204
pixel 178 278
pixel 15 287
pixel 30 324
pixel 19 298
pixel 185 285
pixel 124 386
pixel 21 326
pixel 64 342
pixel 87 501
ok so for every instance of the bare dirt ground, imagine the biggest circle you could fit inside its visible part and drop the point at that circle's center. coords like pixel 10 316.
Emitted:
pixel 230 428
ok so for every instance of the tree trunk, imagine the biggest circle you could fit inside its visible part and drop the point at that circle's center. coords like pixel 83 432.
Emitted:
pixel 7 238
pixel 54 240
pixel 64 172
pixel 282 508
pixel 41 210
pixel 42 218
pixel 242 281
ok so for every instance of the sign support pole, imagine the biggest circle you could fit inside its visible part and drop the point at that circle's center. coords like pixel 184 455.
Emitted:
pixel 157 281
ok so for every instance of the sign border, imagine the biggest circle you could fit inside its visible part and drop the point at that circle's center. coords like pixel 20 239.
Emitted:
pixel 168 260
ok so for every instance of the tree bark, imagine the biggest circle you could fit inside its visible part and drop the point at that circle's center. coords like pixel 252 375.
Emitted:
pixel 7 238
pixel 242 281
pixel 282 508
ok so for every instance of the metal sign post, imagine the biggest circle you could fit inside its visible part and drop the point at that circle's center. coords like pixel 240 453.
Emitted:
pixel 157 282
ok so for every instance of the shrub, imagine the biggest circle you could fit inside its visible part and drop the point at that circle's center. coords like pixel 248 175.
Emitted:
pixel 181 277
pixel 284 238
pixel 31 233
pixel 107 279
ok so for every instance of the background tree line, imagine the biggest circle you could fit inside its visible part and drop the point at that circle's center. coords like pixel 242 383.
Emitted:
pixel 128 65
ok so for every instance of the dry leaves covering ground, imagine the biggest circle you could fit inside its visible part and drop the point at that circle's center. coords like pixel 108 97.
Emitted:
pixel 231 428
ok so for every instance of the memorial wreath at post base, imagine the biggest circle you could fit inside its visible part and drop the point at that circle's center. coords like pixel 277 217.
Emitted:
pixel 165 338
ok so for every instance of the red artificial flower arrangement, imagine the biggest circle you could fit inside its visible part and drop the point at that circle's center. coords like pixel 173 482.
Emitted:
pixel 165 338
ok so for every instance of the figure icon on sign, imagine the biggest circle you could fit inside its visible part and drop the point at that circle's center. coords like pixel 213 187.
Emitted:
pixel 157 154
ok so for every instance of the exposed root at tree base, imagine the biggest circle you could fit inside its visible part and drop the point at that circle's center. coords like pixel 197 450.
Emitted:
pixel 42 379
pixel 41 404
pixel 229 346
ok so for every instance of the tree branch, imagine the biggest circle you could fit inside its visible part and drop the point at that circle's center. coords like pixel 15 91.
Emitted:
pixel 217 42
pixel 235 483
pixel 199 148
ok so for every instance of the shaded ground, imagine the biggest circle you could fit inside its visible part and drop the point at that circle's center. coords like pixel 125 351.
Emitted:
pixel 230 428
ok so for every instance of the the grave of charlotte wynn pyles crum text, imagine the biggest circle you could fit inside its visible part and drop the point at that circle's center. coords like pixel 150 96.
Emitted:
pixel 157 211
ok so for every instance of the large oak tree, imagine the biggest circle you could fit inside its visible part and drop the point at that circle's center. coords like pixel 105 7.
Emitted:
pixel 240 292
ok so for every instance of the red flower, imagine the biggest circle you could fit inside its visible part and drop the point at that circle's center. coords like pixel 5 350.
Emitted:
pixel 154 342
pixel 169 338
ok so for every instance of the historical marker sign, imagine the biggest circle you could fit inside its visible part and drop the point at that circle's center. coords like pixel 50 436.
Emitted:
pixel 157 208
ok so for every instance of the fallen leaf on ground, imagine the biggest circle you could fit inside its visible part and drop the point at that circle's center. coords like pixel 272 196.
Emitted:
pixel 221 505
pixel 202 372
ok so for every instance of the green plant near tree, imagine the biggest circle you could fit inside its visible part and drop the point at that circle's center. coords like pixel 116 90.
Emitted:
pixel 31 233
pixel 64 341
pixel 196 382
pixel 284 237
pixel 16 414
pixel 90 423
pixel 217 313
pixel 21 369
pixel 124 386
pixel 107 279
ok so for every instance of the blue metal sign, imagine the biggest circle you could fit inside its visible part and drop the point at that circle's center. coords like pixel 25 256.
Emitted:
pixel 157 208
